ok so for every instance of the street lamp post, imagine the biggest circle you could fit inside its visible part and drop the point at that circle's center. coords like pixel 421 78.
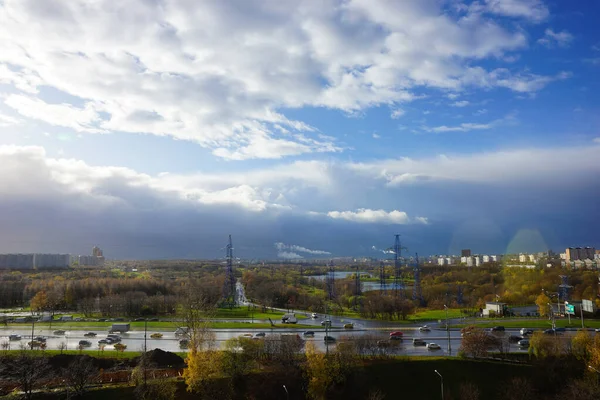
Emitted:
pixel 441 382
pixel 448 331
pixel 287 394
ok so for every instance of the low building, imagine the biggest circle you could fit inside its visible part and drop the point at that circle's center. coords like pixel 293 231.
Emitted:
pixel 494 308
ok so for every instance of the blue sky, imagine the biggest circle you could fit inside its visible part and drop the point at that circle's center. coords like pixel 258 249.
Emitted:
pixel 155 128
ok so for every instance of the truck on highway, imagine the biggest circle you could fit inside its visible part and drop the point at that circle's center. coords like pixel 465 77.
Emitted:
pixel 120 328
pixel 289 319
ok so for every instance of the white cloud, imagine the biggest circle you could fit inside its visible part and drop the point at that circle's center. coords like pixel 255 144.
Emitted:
pixel 217 74
pixel 376 136
pixel 453 96
pixel 596 140
pixel 552 39
pixel 464 127
pixel 535 10
pixel 79 119
pixel 462 103
pixel 480 112
pixel 299 249
pixel 365 215
pixel 397 113
pixel 7 120
pixel 489 168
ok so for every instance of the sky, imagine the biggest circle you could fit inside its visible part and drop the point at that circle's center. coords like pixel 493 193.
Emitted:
pixel 305 129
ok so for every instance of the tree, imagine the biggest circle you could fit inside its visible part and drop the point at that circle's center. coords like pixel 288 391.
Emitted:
pixel 469 391
pixel 202 368
pixel 318 373
pixel 518 389
pixel 543 345
pixel 542 302
pixel 80 374
pixel 40 301
pixel 27 372
pixel 581 345
pixel 476 342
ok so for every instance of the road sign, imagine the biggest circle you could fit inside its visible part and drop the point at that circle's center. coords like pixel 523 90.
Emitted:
pixel 587 305
pixel 570 309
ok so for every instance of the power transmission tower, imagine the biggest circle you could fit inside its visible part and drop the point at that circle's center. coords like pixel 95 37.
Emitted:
pixel 229 284
pixel 417 292
pixel 564 288
pixel 331 281
pixel 382 277
pixel 398 283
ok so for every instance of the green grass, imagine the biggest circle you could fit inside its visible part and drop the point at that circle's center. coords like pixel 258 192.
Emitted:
pixel 541 323
pixel 434 315
pixel 161 325
pixel 243 312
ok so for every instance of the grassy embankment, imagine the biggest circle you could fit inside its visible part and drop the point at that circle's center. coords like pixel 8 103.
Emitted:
pixel 540 323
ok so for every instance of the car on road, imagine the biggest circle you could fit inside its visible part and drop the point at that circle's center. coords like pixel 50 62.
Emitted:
pixel 560 330
pixel 398 338
pixel 247 335
pixel 326 323
pixel 40 339
pixel 156 335
pixel 308 334
pixel 90 334
pixel 597 329
pixel 433 346
pixel 78 319
pixel 14 337
pixel 523 343
pixel 550 332
pixel 526 331
pixel 314 315
pixel 497 329
pixel 419 342
pixel 396 333
pixel 115 338
pixel 85 343
pixel 329 339
pixel 59 332
pixel 425 328
pixel 348 326
pixel 260 334
pixel 105 341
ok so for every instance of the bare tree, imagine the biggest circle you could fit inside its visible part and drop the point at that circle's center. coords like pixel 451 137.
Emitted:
pixel 62 346
pixel 469 391
pixel 27 372
pixel 80 374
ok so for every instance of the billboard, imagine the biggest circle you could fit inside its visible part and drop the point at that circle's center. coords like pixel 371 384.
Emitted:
pixel 587 305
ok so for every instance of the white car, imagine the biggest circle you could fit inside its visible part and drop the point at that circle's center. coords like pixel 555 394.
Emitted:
pixel 425 328
pixel 597 329
pixel 433 346
pixel 314 315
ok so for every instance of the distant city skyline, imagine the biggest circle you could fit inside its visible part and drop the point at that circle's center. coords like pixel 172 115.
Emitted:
pixel 298 127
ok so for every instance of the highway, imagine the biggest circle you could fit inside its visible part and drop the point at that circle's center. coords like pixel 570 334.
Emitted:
pixel 135 339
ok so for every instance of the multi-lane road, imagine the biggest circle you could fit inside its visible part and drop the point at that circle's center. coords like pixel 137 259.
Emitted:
pixel 169 342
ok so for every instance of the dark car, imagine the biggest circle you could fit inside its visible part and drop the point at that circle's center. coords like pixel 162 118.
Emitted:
pixel 497 329
pixel 419 342
pixel 329 339
pixel 560 330
pixel 549 331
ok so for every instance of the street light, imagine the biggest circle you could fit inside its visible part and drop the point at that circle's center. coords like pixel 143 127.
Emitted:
pixel 441 381
pixel 287 394
pixel 448 331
